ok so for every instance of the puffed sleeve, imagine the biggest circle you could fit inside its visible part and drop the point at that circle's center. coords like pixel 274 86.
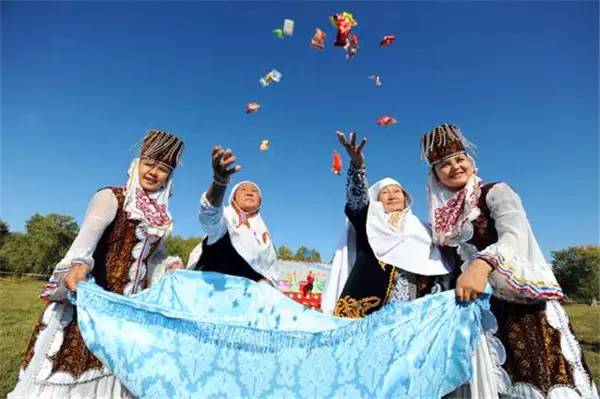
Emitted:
pixel 100 213
pixel 520 269
pixel 211 220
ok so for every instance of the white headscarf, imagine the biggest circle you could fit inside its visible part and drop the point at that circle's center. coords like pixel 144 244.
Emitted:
pixel 404 243
pixel 151 209
pixel 252 243
pixel 451 213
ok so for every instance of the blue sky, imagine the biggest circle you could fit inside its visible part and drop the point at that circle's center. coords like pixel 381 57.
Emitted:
pixel 82 82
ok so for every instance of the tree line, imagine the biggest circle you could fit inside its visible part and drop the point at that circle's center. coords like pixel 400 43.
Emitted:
pixel 46 240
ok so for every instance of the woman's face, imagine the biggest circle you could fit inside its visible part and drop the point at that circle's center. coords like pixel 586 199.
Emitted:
pixel 247 197
pixel 153 174
pixel 392 198
pixel 455 172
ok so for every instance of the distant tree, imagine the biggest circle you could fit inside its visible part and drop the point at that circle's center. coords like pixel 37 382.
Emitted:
pixel 44 244
pixel 577 270
pixel 18 254
pixel 178 246
pixel 300 255
pixel 4 231
pixel 315 256
pixel 284 253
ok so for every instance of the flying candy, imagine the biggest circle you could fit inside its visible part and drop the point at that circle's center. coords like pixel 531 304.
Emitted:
pixel 376 79
pixel 318 39
pixel 264 145
pixel 288 27
pixel 387 40
pixel 252 107
pixel 273 76
pixel 336 164
pixel 386 121
pixel 278 33
pixel 351 46
pixel 343 22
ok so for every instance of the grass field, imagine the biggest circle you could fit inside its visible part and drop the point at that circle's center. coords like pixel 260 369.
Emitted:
pixel 20 309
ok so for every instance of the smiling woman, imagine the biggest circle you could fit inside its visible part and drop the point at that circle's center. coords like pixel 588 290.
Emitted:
pixel 237 239
pixel 120 244
pixel 386 253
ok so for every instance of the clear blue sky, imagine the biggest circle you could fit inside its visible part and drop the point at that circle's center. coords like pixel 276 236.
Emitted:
pixel 81 82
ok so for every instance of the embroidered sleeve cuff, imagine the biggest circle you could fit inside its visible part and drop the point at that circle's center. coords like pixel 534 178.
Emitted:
pixel 357 187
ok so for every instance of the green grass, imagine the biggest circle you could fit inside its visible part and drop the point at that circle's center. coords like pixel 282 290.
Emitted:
pixel 20 310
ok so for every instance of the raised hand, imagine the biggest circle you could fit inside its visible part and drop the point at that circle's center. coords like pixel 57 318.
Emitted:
pixel 222 164
pixel 355 152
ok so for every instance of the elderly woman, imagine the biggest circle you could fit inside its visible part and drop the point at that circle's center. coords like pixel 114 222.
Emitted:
pixel 120 244
pixel 237 240
pixel 386 254
pixel 534 353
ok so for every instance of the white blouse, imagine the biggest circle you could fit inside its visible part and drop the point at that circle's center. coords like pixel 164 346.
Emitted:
pixel 521 272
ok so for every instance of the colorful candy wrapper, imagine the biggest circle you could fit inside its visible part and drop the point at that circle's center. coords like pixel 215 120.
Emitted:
pixel 376 79
pixel 386 121
pixel 336 164
pixel 387 40
pixel 343 22
pixel 264 145
pixel 318 39
pixel 278 33
pixel 273 76
pixel 351 46
pixel 252 107
pixel 288 27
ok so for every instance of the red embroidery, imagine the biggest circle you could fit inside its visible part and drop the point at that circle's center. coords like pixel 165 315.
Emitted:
pixel 447 216
pixel 155 213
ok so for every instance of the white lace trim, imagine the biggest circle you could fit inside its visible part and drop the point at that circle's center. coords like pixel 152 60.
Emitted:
pixel 557 318
pixel 56 317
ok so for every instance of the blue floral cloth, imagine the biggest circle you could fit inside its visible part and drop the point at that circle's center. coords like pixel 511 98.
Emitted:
pixel 204 335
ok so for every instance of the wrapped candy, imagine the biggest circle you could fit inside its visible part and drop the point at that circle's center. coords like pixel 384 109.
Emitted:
pixel 264 145
pixel 252 107
pixel 273 76
pixel 387 40
pixel 376 79
pixel 386 121
pixel 343 22
pixel 288 27
pixel 318 39
pixel 351 46
pixel 336 164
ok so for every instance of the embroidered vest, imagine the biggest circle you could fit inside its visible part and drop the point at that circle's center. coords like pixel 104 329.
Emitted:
pixel 484 229
pixel 112 261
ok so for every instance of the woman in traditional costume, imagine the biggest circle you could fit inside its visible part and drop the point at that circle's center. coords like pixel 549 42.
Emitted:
pixel 386 253
pixel 237 240
pixel 533 353
pixel 120 244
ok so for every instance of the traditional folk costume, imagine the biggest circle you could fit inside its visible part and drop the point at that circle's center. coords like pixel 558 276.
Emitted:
pixel 383 257
pixel 236 243
pixel 533 353
pixel 121 241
